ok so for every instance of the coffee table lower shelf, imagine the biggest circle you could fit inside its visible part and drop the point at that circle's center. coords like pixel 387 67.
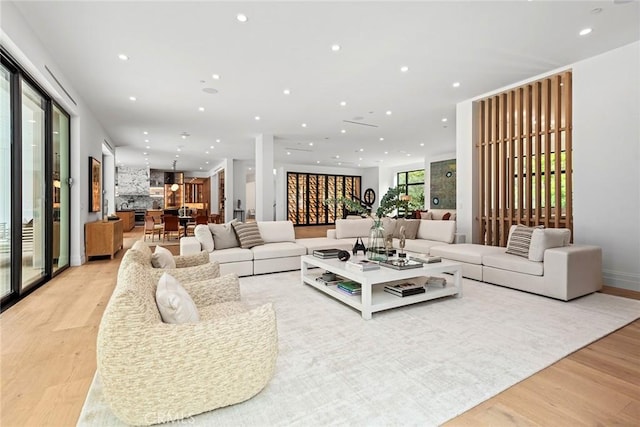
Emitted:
pixel 373 297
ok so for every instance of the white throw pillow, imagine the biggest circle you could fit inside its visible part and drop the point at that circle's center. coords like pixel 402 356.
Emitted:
pixel 277 231
pixel 204 236
pixel 543 239
pixel 162 258
pixel 174 303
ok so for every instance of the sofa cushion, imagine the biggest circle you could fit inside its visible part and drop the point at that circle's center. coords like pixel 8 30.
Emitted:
pixel 465 252
pixel 224 236
pixel 278 250
pixel 389 225
pixel 162 258
pixel 441 231
pixel 543 239
pixel 174 303
pixel 313 243
pixel 410 228
pixel 419 246
pixel 513 263
pixel 346 228
pixel 519 240
pixel 223 309
pixel 248 233
pixel 224 256
pixel 276 231
pixel 203 234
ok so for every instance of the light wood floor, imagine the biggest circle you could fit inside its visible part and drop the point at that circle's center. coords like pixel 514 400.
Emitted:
pixel 47 362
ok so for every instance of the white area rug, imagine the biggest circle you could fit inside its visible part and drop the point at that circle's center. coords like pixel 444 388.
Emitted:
pixel 417 365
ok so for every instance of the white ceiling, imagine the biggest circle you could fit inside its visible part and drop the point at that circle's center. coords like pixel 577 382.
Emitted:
pixel 175 47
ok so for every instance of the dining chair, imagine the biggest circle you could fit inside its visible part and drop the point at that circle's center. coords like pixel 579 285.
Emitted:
pixel 172 225
pixel 150 227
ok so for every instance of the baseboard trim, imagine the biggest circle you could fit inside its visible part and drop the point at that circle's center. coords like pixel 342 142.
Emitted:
pixel 621 279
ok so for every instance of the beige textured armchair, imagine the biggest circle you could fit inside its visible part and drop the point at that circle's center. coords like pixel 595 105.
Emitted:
pixel 154 372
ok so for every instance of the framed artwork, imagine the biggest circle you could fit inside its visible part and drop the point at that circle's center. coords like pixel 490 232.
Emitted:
pixel 95 185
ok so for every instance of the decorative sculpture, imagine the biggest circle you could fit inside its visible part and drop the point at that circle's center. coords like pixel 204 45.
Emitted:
pixel 359 246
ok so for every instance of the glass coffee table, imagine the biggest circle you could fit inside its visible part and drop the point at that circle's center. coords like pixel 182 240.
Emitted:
pixel 373 297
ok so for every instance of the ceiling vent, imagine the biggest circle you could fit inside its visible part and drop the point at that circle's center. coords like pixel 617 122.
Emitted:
pixel 360 123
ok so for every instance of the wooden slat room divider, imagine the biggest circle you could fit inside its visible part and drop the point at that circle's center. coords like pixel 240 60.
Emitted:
pixel 524 155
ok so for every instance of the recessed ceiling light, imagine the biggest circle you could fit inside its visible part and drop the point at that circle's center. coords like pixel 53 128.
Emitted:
pixel 343 103
pixel 288 153
pixel 381 139
pixel 444 119
pixel 146 159
pixel 388 113
pixel 206 152
pixel 146 140
pixel 422 144
pixel 456 84
pixel 241 17
pixel 361 150
pixel 215 76
pixel 337 156
pixel 286 92
pixel 206 163
pixel 179 149
pixel 335 47
pixel 317 161
pixel 211 147
pixel 343 131
pixel 217 140
pixel 359 159
pixel 408 154
pixel 200 108
pixel 145 132
pixel 304 125
pixel 585 31
pixel 257 117
pixel 184 136
pixel 123 57
pixel 339 163
pixel 148 147
pixel 404 68
pixel 132 98
pixel 200 167
pixel 177 155
pixel 386 152
pixel 311 144
pixel 144 154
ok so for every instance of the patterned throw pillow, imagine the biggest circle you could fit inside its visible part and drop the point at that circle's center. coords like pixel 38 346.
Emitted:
pixel 520 241
pixel 248 234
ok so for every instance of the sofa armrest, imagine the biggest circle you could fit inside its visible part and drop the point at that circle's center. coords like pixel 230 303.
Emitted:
pixel 191 260
pixel 212 291
pixel 579 266
pixel 331 234
pixel 189 245
pixel 209 270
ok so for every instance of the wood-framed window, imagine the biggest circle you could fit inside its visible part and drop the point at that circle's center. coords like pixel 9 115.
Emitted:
pixel 525 158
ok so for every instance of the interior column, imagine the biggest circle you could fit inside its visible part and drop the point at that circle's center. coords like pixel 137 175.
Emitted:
pixel 265 186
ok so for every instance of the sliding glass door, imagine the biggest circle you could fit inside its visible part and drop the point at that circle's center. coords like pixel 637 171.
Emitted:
pixel 5 182
pixel 34 184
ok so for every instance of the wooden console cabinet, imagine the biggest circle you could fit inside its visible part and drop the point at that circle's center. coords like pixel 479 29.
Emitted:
pixel 128 219
pixel 102 238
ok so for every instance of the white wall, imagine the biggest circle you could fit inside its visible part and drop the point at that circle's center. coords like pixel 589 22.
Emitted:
pixel 87 133
pixel 606 159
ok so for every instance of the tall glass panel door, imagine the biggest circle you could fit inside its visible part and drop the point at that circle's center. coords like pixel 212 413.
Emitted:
pixel 33 187
pixel 61 204
pixel 5 182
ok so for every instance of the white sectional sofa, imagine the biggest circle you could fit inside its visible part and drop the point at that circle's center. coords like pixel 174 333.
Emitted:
pixel 560 270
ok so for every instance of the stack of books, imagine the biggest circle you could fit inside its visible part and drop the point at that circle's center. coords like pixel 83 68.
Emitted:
pixel 426 259
pixel 326 253
pixel 404 289
pixel 350 287
pixel 363 265
pixel 337 280
pixel 436 281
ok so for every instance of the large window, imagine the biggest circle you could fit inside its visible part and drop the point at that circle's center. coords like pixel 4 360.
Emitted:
pixel 524 158
pixel 411 184
pixel 34 191
pixel 307 192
